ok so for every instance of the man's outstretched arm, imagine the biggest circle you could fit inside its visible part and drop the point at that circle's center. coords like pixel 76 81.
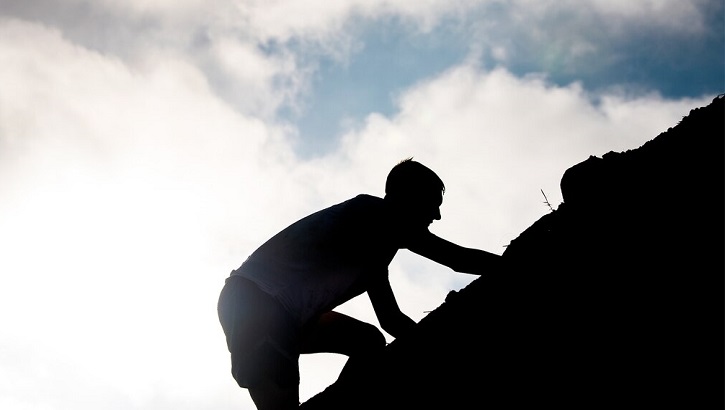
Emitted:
pixel 456 257
pixel 391 318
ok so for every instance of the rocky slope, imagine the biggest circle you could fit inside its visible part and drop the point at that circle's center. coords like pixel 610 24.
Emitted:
pixel 614 299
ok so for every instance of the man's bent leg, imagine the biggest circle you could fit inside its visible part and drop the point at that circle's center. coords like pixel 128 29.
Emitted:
pixel 263 344
pixel 338 333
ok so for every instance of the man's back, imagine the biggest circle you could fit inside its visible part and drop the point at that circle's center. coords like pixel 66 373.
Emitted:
pixel 326 258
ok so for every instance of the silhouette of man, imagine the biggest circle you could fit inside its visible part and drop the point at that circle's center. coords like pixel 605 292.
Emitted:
pixel 279 303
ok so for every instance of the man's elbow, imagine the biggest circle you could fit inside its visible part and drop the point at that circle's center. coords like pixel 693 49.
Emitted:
pixel 398 327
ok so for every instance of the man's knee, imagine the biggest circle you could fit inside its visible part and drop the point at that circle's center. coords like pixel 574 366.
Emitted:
pixel 270 396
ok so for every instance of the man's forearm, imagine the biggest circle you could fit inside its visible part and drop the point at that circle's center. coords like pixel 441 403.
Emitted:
pixel 477 262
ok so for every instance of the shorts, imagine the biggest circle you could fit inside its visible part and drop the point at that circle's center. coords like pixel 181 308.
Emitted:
pixel 261 336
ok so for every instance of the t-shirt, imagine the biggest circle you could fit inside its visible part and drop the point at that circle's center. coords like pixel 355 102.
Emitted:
pixel 326 258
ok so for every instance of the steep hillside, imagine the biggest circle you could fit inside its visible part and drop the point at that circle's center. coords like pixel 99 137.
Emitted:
pixel 614 299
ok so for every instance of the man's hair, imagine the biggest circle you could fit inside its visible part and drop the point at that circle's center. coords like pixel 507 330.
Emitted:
pixel 410 178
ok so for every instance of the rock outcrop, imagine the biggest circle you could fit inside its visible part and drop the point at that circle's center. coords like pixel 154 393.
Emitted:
pixel 614 299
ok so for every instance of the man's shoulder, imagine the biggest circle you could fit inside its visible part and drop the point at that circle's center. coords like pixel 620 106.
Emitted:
pixel 361 207
pixel 367 198
pixel 362 202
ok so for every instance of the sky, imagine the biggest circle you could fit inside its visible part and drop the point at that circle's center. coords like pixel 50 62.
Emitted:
pixel 147 147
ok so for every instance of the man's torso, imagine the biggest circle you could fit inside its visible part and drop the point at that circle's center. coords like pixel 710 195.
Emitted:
pixel 326 258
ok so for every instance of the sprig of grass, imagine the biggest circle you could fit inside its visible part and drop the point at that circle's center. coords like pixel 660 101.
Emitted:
pixel 546 201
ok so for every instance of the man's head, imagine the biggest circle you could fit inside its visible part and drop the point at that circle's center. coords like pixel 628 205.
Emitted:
pixel 416 190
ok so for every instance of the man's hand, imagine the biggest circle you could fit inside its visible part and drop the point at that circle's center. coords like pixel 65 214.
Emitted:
pixel 456 257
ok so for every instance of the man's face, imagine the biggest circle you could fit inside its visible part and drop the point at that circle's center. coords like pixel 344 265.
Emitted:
pixel 424 209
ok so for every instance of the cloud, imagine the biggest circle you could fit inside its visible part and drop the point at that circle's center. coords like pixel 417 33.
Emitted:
pixel 667 14
pixel 601 43
pixel 673 15
pixel 322 21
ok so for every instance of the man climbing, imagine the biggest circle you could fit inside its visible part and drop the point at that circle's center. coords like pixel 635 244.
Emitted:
pixel 279 303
